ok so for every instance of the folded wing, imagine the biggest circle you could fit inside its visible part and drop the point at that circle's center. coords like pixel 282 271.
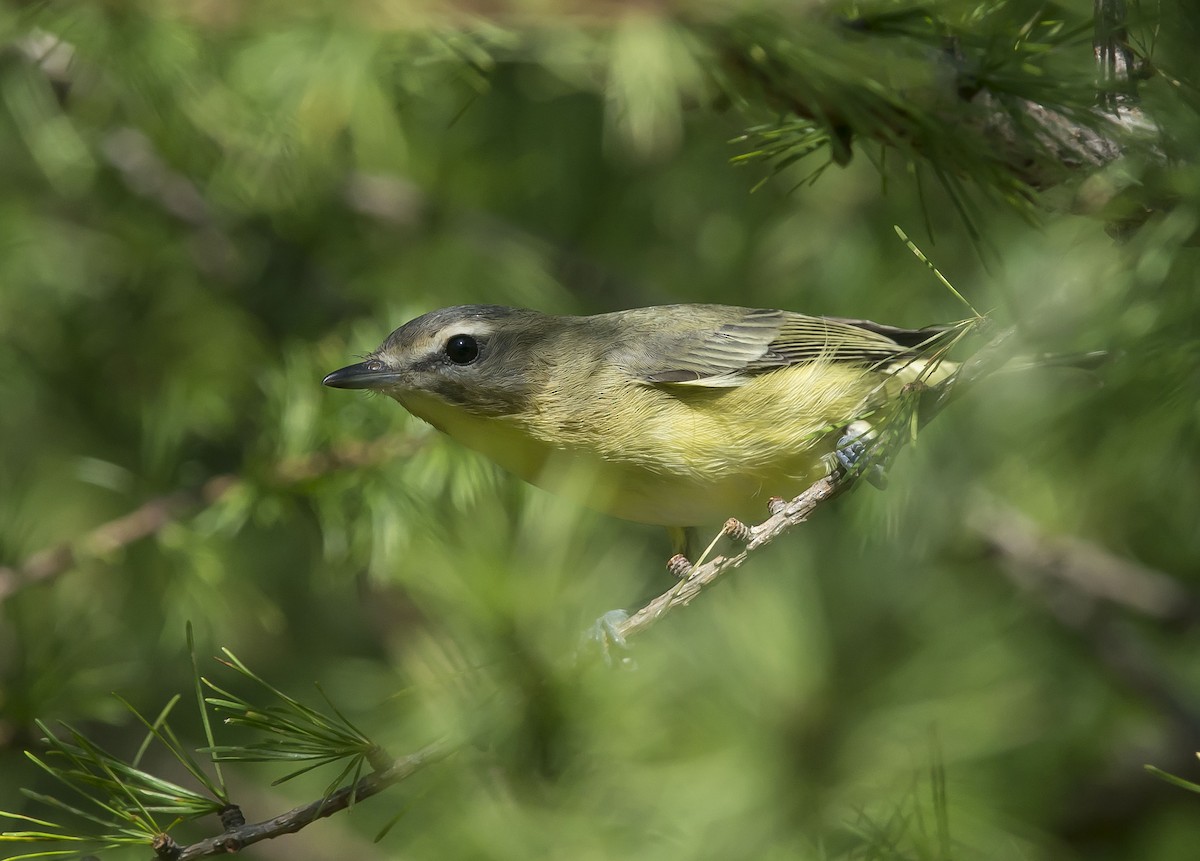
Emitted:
pixel 760 341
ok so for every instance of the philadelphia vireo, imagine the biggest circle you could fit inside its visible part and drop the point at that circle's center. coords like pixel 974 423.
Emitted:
pixel 679 415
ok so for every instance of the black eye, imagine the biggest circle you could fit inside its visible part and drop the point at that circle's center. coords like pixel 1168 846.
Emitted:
pixel 462 349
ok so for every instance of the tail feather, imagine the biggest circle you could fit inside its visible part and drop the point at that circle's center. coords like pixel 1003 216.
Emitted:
pixel 1080 361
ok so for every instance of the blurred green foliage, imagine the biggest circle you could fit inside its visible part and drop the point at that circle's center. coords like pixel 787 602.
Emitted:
pixel 207 207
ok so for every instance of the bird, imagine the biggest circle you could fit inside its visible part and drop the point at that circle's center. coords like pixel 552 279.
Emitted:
pixel 676 415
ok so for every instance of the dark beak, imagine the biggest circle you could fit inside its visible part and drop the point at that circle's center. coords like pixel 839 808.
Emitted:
pixel 364 375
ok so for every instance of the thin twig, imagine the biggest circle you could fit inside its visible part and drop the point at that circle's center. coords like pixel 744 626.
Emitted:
pixel 702 576
pixel 236 839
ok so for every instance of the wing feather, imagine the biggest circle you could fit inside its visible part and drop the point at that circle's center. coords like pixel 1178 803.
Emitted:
pixel 763 340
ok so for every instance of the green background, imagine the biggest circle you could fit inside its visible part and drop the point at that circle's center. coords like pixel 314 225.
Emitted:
pixel 226 205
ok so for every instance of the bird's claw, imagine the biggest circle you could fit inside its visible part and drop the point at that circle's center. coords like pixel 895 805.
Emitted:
pixel 605 637
pixel 854 453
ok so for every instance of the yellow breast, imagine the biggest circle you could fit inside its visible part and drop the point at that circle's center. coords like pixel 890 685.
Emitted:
pixel 678 455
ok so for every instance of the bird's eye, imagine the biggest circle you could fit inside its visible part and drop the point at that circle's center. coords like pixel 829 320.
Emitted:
pixel 462 349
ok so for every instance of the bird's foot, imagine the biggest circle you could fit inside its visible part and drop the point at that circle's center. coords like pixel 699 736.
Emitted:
pixel 605 637
pixel 854 453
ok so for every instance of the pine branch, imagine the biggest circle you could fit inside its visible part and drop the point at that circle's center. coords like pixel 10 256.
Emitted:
pixel 124 803
pixel 997 113
pixel 239 837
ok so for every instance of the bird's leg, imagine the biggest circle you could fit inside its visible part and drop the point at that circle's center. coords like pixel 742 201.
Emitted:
pixel 854 453
pixel 683 542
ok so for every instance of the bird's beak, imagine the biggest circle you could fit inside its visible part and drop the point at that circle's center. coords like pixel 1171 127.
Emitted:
pixel 365 375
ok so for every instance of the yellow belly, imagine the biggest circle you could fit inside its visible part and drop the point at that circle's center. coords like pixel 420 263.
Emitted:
pixel 676 455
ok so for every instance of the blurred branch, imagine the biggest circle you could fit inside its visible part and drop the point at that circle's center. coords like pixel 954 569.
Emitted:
pixel 151 517
pixel 147 174
pixel 130 152
pixel 144 521
pixel 1038 561
pixel 239 837
pixel 1079 585
pixel 1076 581
pixel 49 53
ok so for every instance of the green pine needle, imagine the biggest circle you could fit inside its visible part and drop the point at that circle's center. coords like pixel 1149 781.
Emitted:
pixel 1172 779
pixel 296 732
pixel 222 792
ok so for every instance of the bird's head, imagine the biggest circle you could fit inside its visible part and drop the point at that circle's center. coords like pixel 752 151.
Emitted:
pixel 484 359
